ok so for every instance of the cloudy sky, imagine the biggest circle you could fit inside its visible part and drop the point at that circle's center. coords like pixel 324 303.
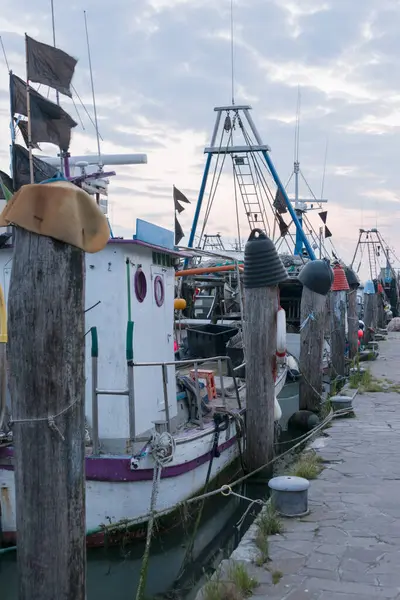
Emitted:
pixel 160 67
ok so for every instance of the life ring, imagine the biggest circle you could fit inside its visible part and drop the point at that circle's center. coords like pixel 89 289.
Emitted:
pixel 281 335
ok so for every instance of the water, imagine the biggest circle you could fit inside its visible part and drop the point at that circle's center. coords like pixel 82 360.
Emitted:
pixel 114 572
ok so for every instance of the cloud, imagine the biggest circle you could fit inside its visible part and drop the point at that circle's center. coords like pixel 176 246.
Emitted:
pixel 160 67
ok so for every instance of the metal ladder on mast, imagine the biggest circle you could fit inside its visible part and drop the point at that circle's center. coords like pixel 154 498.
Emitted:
pixel 247 185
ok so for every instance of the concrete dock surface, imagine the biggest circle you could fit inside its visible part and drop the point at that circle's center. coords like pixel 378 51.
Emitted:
pixel 348 547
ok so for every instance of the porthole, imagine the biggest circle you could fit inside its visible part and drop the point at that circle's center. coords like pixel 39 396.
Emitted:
pixel 159 290
pixel 140 285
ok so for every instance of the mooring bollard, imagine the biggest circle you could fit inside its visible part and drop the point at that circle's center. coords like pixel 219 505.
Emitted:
pixel 316 277
pixel 338 321
pixel 263 270
pixel 289 495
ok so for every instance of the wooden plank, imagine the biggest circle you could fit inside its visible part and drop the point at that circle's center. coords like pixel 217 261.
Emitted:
pixel 46 378
pixel 313 315
pixel 260 343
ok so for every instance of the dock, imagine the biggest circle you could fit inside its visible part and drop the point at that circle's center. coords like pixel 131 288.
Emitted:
pixel 348 546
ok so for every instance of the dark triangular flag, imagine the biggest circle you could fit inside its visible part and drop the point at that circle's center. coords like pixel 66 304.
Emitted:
pixel 328 233
pixel 23 127
pixel 49 66
pixel 283 228
pixel 21 172
pixel 7 181
pixel 279 202
pixel 49 122
pixel 178 232
pixel 179 197
pixel 323 216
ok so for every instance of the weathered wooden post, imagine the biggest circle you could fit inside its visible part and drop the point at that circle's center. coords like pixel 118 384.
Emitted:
pixel 381 317
pixel 316 277
pixel 47 382
pixel 352 316
pixel 369 310
pixel 263 271
pixel 338 322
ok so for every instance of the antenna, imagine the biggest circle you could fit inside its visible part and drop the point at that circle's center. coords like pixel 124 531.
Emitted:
pixel 297 127
pixel 324 171
pixel 232 57
pixel 4 54
pixel 92 84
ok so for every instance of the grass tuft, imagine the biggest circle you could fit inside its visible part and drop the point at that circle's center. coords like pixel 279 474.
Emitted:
pixel 239 576
pixel 276 577
pixel 308 466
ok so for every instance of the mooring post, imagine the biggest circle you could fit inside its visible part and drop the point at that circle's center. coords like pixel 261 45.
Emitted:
pixel 46 354
pixel 316 277
pixel 369 311
pixel 352 316
pixel 263 270
pixel 381 318
pixel 338 322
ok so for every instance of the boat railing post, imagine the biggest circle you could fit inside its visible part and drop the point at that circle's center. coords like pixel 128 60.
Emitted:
pixel 165 389
pixel 131 382
pixel 221 378
pixel 95 405
pixel 198 398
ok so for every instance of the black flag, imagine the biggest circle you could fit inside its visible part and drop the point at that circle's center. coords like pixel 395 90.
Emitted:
pixel 323 216
pixel 178 232
pixel 49 122
pixel 49 66
pixel 279 202
pixel 179 197
pixel 283 228
pixel 328 233
pixel 23 127
pixel 21 174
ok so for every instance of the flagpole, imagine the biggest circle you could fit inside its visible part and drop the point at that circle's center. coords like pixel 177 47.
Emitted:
pixel 28 104
pixel 64 162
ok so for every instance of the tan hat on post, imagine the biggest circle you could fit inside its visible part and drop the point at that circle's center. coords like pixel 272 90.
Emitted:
pixel 60 210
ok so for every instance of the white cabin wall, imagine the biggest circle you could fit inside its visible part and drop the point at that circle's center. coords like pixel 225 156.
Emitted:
pixel 106 282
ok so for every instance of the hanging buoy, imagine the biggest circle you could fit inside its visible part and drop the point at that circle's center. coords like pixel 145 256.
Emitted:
pixel 281 335
pixel 179 304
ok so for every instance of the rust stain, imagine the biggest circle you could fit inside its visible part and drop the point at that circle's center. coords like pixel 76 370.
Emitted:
pixel 5 500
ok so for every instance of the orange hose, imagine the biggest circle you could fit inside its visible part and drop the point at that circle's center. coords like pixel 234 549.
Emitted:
pixel 203 270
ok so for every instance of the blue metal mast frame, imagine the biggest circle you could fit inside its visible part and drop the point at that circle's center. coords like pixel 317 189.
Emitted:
pixel 300 235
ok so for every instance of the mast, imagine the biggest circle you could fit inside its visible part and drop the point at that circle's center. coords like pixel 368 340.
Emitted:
pixel 28 104
pixel 92 84
pixel 63 156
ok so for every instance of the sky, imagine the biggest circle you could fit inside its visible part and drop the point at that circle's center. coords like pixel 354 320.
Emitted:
pixel 161 66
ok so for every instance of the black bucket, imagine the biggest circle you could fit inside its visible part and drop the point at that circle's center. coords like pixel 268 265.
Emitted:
pixel 262 265
pixel 317 276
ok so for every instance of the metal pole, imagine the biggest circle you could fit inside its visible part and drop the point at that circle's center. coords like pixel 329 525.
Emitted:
pixel 28 104
pixel 199 409
pixel 290 208
pixel 199 203
pixel 221 378
pixel 131 401
pixel 95 406
pixel 165 389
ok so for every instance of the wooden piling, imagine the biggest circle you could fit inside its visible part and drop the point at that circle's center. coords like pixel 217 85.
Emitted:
pixel 338 322
pixel 381 316
pixel 260 343
pixel 352 322
pixel 311 348
pixel 46 379
pixel 369 316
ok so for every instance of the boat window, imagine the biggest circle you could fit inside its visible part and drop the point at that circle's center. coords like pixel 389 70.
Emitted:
pixel 140 285
pixel 159 290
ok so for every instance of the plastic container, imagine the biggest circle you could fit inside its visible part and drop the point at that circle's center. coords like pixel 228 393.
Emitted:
pixel 206 341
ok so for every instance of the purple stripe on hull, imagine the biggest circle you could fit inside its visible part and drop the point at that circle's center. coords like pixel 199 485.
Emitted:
pixel 117 469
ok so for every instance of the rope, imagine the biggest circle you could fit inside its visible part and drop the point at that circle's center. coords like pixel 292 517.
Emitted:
pixel 50 419
pixel 162 449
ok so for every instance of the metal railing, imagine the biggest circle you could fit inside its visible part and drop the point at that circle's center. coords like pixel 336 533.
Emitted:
pixel 130 391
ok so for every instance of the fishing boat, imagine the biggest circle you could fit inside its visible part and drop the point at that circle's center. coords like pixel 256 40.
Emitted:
pixel 146 412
